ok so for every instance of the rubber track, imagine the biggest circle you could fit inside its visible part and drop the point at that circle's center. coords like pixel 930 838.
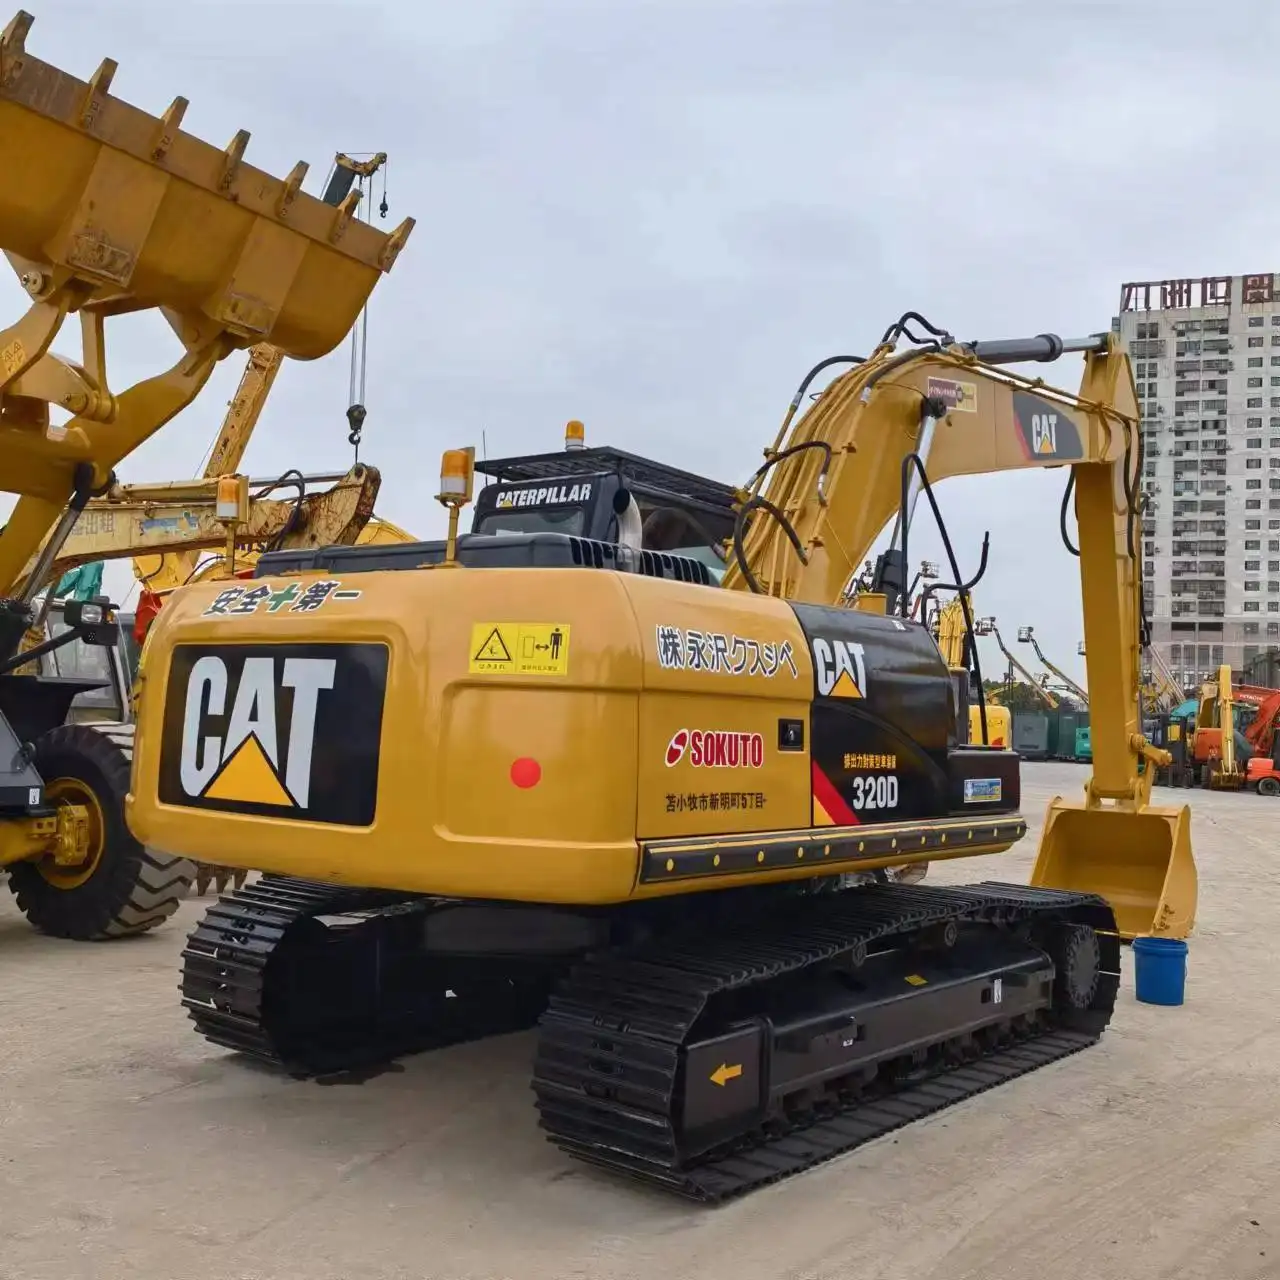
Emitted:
pixel 609 1052
pixel 232 992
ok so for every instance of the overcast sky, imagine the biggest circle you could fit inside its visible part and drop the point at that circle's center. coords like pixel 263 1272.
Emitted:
pixel 655 216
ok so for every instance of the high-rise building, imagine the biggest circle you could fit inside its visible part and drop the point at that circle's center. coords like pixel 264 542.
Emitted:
pixel 1206 361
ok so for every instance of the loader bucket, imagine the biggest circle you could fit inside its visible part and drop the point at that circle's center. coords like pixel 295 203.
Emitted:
pixel 149 216
pixel 1141 863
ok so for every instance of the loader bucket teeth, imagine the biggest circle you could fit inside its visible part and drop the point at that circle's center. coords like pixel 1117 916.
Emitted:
pixel 1140 862
pixel 144 215
pixel 118 211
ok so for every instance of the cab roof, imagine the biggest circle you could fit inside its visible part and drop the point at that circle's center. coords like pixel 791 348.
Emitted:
pixel 640 473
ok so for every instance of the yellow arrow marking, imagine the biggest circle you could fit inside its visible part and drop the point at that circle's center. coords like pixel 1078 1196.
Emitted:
pixel 724 1073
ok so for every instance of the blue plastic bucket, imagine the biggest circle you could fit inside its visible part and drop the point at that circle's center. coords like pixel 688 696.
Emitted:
pixel 1160 970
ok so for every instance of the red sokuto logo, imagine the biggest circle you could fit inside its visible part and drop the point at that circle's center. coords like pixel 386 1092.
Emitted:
pixel 716 749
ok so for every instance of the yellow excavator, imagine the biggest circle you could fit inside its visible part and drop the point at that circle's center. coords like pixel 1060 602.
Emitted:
pixel 1214 748
pixel 989 723
pixel 604 762
pixel 183 517
pixel 118 211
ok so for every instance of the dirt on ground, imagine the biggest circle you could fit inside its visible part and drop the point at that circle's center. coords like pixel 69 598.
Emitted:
pixel 131 1148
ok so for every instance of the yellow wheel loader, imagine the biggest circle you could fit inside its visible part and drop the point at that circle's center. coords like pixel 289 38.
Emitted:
pixel 110 210
pixel 615 762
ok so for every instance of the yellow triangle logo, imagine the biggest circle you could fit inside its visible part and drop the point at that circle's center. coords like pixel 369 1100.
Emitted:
pixel 249 778
pixel 1046 445
pixel 844 687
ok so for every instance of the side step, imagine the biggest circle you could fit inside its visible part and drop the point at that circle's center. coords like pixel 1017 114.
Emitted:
pixel 621 1070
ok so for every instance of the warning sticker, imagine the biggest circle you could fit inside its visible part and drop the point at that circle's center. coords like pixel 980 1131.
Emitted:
pixel 982 790
pixel 519 649
pixel 959 397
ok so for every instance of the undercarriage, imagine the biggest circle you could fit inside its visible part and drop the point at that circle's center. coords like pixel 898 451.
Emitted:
pixel 706 1051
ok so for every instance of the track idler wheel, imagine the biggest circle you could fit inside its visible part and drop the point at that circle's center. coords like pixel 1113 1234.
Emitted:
pixel 1077 958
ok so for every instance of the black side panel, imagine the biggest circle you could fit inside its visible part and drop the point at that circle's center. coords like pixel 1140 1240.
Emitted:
pixel 984 780
pixel 277 730
pixel 21 787
pixel 883 716
pixel 484 551
pixel 35 704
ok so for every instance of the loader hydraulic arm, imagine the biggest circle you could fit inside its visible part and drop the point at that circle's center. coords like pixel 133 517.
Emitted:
pixel 837 475
pixel 110 210
pixel 163 573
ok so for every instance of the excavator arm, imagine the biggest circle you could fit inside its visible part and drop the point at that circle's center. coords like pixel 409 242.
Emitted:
pixel 119 211
pixel 1261 731
pixel 952 635
pixel 839 473
pixel 132 520
pixel 1170 692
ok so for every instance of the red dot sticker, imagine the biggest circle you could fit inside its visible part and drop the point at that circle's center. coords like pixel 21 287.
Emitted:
pixel 526 773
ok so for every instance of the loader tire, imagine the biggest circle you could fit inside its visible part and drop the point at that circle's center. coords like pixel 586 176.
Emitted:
pixel 122 888
pixel 1268 787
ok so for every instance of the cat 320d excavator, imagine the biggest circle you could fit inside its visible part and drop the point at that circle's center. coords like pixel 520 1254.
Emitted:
pixel 562 770
pixel 108 210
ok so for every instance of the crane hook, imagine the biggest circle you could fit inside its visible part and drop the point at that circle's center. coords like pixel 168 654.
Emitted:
pixel 355 419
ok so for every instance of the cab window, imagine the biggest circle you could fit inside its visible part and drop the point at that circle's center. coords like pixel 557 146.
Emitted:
pixel 548 520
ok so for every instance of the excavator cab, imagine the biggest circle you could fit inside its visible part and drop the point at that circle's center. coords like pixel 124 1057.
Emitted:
pixel 588 493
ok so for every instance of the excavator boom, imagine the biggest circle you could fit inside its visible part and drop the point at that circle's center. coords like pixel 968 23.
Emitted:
pixel 133 520
pixel 881 434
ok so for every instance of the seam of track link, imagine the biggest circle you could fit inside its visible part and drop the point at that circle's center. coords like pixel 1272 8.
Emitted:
pixel 610 1062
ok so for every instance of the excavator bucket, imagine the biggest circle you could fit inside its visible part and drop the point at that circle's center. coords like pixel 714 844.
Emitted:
pixel 1140 862
pixel 145 215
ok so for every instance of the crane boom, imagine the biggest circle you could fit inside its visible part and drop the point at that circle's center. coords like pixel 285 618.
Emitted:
pixel 1027 636
pixel 1171 692
pixel 987 626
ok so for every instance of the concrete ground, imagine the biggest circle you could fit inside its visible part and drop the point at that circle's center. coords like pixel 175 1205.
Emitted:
pixel 129 1148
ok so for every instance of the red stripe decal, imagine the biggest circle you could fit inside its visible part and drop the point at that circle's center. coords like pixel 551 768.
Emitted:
pixel 830 799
